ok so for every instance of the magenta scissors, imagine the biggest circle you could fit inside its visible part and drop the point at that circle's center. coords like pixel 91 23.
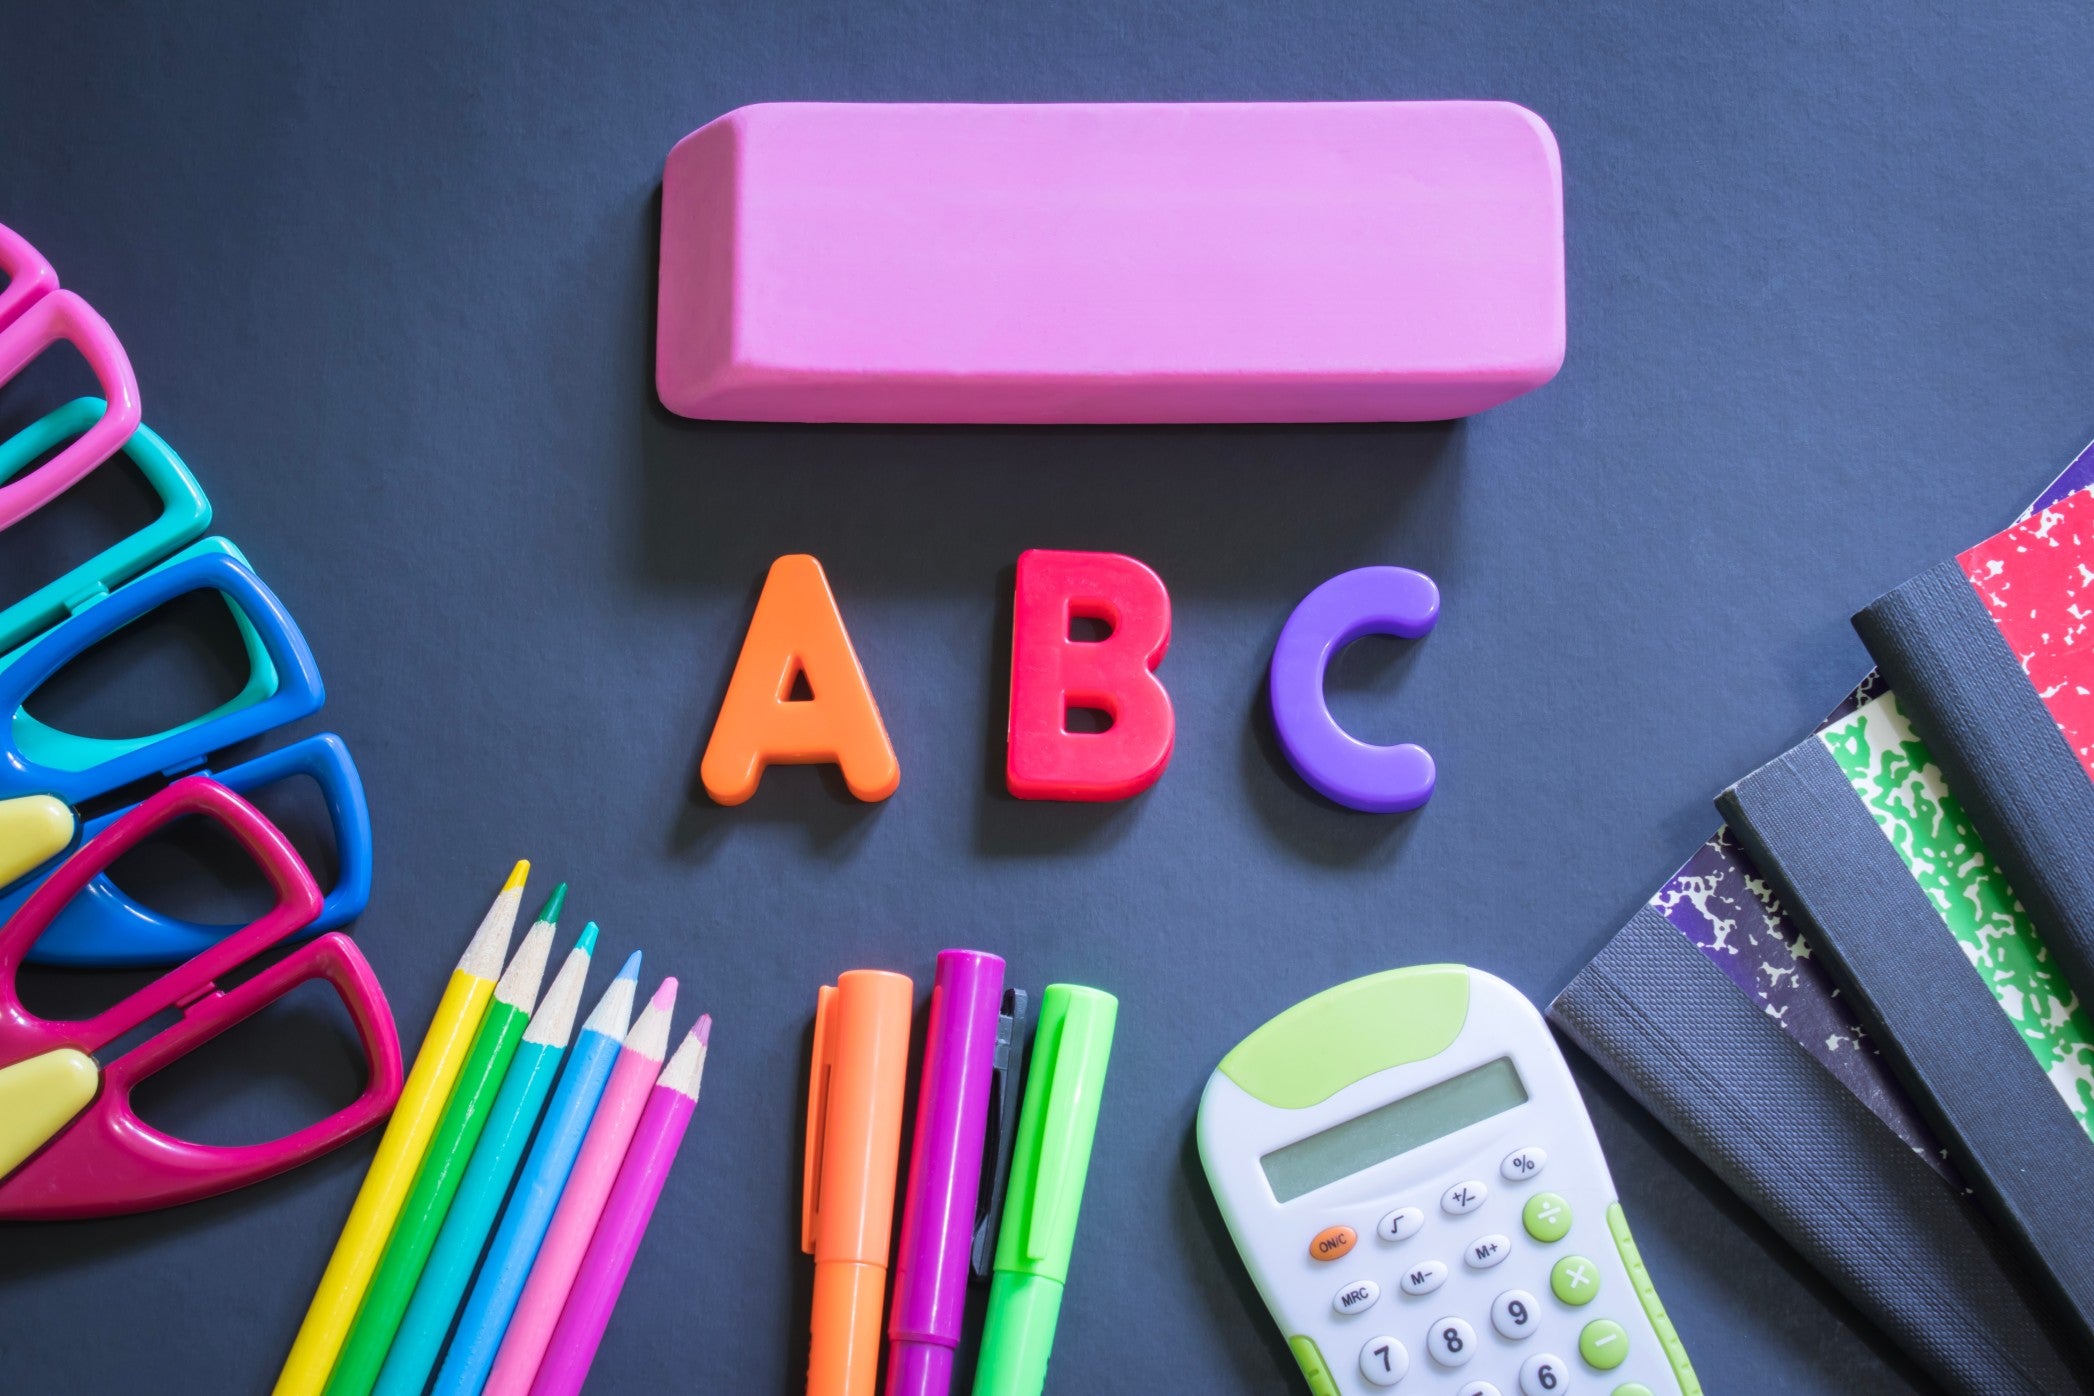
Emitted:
pixel 34 315
pixel 70 1143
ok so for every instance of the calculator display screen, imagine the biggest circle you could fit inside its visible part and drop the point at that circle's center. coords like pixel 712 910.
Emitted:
pixel 1398 1127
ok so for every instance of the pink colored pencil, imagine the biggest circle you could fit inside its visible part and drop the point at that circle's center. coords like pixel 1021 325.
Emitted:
pixel 595 1169
pixel 625 1218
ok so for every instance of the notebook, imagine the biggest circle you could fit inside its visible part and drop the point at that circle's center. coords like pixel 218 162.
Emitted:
pixel 1992 654
pixel 1871 853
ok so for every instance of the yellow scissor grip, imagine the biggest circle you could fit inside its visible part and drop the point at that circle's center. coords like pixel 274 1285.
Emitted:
pixel 38 1096
pixel 33 830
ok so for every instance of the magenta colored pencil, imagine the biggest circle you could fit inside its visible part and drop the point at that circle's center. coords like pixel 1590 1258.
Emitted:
pixel 588 1185
pixel 625 1218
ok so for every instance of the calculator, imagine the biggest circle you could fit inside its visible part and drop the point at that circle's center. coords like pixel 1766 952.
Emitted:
pixel 1410 1176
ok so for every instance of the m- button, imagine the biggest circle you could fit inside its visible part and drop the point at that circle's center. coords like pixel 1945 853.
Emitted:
pixel 1332 1242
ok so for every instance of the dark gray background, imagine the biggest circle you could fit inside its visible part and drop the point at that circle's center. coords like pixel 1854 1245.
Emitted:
pixel 387 273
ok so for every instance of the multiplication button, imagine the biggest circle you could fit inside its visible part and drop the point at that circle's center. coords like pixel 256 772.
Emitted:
pixel 1575 1280
pixel 1356 1298
pixel 1383 1361
pixel 1400 1225
pixel 1522 1164
pixel 1463 1197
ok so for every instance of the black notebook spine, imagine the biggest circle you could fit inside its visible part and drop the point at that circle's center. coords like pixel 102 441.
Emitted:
pixel 1862 1208
pixel 1933 1017
pixel 1965 693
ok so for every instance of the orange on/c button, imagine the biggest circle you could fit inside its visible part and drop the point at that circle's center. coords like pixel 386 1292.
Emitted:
pixel 1332 1242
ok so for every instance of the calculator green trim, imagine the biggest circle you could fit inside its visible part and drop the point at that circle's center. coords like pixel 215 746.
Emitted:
pixel 1311 1359
pixel 1653 1309
pixel 1389 1019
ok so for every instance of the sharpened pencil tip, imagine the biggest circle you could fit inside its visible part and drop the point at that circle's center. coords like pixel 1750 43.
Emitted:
pixel 704 1031
pixel 665 996
pixel 550 912
pixel 587 942
pixel 518 875
pixel 632 966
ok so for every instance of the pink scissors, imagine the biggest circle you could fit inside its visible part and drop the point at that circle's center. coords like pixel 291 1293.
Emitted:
pixel 70 1143
pixel 34 315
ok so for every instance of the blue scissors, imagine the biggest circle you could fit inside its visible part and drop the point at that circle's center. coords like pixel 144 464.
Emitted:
pixel 104 926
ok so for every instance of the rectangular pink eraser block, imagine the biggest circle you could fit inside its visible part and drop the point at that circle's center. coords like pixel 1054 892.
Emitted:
pixel 1223 262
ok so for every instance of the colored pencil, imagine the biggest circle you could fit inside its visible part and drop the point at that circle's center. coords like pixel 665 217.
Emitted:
pixel 538 1188
pixel 595 1169
pixel 501 1148
pixel 625 1217
pixel 443 1165
pixel 422 1100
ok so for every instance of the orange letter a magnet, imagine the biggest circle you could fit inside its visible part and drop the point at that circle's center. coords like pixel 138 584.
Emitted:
pixel 797 632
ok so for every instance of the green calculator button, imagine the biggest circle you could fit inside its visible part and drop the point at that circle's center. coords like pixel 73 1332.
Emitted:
pixel 1604 1344
pixel 1311 1359
pixel 1633 1388
pixel 1547 1217
pixel 1574 1280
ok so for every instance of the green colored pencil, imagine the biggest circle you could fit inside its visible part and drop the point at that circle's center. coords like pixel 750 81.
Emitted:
pixel 443 1166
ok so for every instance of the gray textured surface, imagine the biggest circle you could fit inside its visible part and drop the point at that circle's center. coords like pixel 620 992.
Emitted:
pixel 386 271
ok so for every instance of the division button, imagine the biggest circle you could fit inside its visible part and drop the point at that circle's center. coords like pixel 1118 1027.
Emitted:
pixel 1604 1344
pixel 1423 1278
pixel 1522 1164
pixel 1383 1361
pixel 1463 1197
pixel 1400 1225
pixel 1332 1242
pixel 1486 1251
pixel 1451 1342
pixel 1544 1374
pixel 1513 1314
pixel 1357 1297
pixel 1575 1280
pixel 1547 1217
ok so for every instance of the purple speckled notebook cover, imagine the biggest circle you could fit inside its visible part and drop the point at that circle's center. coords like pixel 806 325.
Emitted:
pixel 1721 903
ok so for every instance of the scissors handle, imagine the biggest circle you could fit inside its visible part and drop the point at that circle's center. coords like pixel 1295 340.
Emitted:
pixel 37 325
pixel 23 1034
pixel 29 276
pixel 109 1161
pixel 106 926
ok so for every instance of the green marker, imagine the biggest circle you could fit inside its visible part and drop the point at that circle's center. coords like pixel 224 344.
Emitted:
pixel 1055 1128
pixel 443 1166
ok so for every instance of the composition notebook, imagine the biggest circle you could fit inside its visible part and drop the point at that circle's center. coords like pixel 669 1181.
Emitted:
pixel 1871 852
pixel 1992 655
pixel 1711 1009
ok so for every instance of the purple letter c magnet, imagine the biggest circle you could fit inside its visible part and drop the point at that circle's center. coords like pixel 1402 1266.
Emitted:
pixel 1367 601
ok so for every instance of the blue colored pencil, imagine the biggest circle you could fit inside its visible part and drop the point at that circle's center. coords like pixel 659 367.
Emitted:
pixel 544 1178
pixel 421 1334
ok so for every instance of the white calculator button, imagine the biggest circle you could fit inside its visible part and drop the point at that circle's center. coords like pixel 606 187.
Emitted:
pixel 1544 1374
pixel 1400 1225
pixel 1463 1197
pixel 1451 1342
pixel 1423 1278
pixel 1479 1388
pixel 1383 1361
pixel 1356 1298
pixel 1486 1251
pixel 1514 1314
pixel 1522 1164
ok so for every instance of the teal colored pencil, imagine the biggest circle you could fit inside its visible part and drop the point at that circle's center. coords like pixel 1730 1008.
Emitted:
pixel 473 1210
pixel 508 1265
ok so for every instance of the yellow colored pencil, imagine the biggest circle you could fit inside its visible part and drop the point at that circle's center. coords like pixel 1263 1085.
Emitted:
pixel 422 1101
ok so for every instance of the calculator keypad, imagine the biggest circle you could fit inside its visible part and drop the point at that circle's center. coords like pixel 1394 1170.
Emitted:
pixel 1451 1339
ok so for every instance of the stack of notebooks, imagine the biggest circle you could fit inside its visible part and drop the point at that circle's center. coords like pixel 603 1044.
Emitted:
pixel 1861 1002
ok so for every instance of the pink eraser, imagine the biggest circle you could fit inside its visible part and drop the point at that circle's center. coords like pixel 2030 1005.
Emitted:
pixel 1225 262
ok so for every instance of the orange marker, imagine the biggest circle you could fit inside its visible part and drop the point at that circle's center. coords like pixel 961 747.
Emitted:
pixel 854 1143
pixel 797 632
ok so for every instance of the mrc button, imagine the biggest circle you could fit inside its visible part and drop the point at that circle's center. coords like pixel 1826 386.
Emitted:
pixel 1332 1242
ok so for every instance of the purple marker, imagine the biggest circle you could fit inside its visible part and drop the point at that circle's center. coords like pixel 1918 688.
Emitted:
pixel 945 1173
